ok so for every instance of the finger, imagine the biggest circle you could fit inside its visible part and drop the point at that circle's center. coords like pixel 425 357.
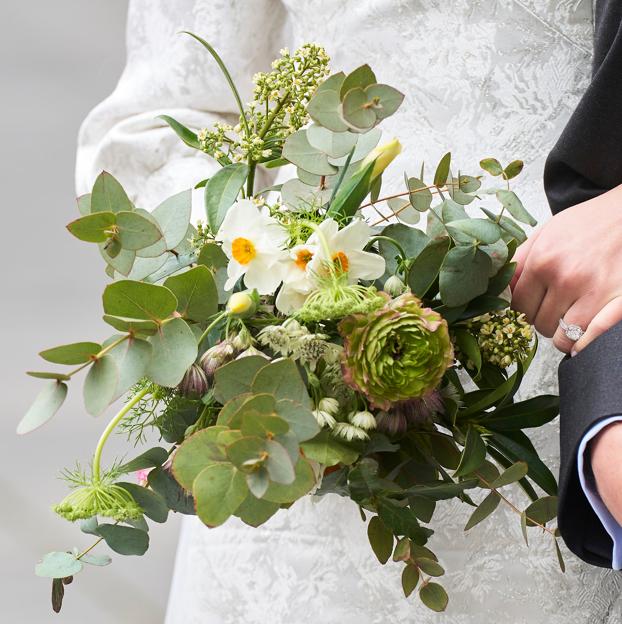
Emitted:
pixel 580 313
pixel 602 321
pixel 528 293
pixel 553 306
pixel 520 257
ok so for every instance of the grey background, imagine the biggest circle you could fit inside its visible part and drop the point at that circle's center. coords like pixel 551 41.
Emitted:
pixel 57 60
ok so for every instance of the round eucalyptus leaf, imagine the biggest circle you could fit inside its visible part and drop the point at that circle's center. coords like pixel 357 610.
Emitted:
pixel 300 196
pixel 144 267
pixel 357 111
pixel 386 99
pixel 403 210
pixel 108 195
pixel 93 228
pixel 121 262
pixel 100 385
pixel 96 560
pixel 74 353
pixel 279 464
pixel 492 166
pixel 498 253
pixel 58 565
pixel 258 482
pixel 84 204
pixel 468 184
pixel 434 596
pixel 146 328
pixel 333 144
pixel 173 216
pixel 197 296
pixel 303 483
pixel 246 452
pixel 47 403
pixel 159 247
pixel 219 490
pixel 152 504
pixel 132 358
pixel 515 207
pixel 125 540
pixel 324 109
pixel 135 231
pixel 137 300
pixel 474 230
pixel 420 195
pixel 48 375
pixel 301 153
pixel 365 144
pixel 464 275
pixel 174 350
pixel 361 77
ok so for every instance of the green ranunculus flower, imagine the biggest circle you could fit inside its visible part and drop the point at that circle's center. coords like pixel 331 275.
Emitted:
pixel 396 353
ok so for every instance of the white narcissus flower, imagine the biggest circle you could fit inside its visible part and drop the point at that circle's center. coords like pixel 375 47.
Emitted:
pixel 346 251
pixel 305 262
pixel 254 242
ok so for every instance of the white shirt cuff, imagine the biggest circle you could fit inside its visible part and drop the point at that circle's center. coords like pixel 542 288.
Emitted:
pixel 589 488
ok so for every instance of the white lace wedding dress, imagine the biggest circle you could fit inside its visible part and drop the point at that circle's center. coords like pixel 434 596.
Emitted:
pixel 481 77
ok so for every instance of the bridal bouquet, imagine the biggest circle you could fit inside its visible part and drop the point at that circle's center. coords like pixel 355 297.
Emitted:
pixel 306 338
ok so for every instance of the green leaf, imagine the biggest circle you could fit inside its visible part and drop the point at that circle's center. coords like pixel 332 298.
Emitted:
pixel 327 450
pixel 410 578
pixel 467 343
pixel 108 195
pixel 301 421
pixel 420 196
pixel 334 144
pixel 174 351
pixel 124 540
pixel 301 153
pixel 258 482
pixel 135 231
pixel 254 511
pixel 513 169
pixel 137 300
pixel 283 380
pixel 74 353
pixel 84 204
pixel 100 385
pixel 279 464
pixel 434 597
pixel 380 538
pixel 486 507
pixel 473 454
pixel 132 357
pixel 541 511
pixel 351 194
pixel 219 490
pixel 430 566
pixel 324 108
pixel 363 76
pixel 122 261
pixel 402 521
pixel 146 328
pixel 263 425
pixel 197 452
pixel 48 375
pixel 58 593
pixel 512 474
pixel 357 110
pixel 186 135
pixel 442 170
pixel 177 499
pixel 152 504
pixel 247 451
pixel 303 483
pixel 58 565
pixel 236 377
pixel 464 275
pixel 195 289
pixel 474 231
pixel 221 192
pixel 426 266
pixel 96 560
pixel 560 557
pixel 523 527
pixel 533 412
pixel 514 206
pixel 151 458
pixel 492 166
pixel 386 99
pixel 93 228
pixel 442 490
pixel 173 217
pixel 411 240
pixel 47 403
pixel 509 226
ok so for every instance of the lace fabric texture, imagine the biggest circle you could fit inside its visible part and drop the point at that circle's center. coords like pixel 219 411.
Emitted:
pixel 481 77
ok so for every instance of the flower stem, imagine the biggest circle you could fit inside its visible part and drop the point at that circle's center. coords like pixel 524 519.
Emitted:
pixel 99 355
pixel 110 428
pixel 211 326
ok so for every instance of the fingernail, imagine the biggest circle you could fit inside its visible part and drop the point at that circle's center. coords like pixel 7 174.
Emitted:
pixel 573 353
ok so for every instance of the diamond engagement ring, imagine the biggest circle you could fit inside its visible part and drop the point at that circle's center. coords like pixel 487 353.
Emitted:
pixel 573 332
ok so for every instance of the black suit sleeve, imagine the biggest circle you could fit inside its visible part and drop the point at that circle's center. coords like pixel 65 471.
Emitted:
pixel 587 159
pixel 585 162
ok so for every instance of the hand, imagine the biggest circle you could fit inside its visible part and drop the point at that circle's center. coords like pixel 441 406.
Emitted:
pixel 571 268
pixel 605 455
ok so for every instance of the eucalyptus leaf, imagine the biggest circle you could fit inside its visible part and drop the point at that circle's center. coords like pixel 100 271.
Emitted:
pixel 485 508
pixel 137 300
pixel 420 195
pixel 93 228
pixel 510 475
pixel 541 511
pixel 363 76
pixel 152 504
pixel 84 204
pixel 434 597
pixel 464 275
pixel 442 170
pixel 132 358
pixel 333 144
pixel 58 565
pixel 236 377
pixel 122 261
pixel 386 99
pixel 173 217
pixel 492 166
pixel 146 328
pixel 100 385
pixel 324 110
pixel 357 111
pixel 125 540
pixel 514 206
pixel 71 354
pixel 219 490
pixel 426 266
pixel 327 450
pixel 108 195
pixel 135 231
pixel 255 512
pixel 301 153
pixel 474 231
pixel 473 454
pixel 174 350
pixel 48 375
pixel 46 404
pixel 195 289
pixel 410 578
pixel 380 538
pixel 303 483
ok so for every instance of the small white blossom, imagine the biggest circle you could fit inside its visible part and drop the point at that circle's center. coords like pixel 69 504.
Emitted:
pixel 350 432
pixel 364 420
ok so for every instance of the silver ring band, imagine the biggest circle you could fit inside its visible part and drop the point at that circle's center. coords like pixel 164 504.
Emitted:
pixel 573 332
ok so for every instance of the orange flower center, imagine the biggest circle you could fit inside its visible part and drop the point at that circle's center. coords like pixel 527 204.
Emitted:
pixel 341 262
pixel 303 257
pixel 243 250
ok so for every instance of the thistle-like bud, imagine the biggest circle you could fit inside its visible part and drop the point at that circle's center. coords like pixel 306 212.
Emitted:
pixel 194 384
pixel 215 357
pixel 242 340
pixel 250 352
pixel 243 304
pixel 394 286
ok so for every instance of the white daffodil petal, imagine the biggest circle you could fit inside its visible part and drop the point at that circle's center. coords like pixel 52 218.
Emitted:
pixel 354 236
pixel 365 265
pixel 264 276
pixel 289 299
pixel 235 270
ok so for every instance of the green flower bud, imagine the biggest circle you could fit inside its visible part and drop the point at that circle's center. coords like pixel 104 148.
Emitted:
pixel 394 286
pixel 243 304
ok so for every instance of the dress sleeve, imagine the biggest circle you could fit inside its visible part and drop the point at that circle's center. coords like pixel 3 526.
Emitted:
pixel 171 73
pixel 585 162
